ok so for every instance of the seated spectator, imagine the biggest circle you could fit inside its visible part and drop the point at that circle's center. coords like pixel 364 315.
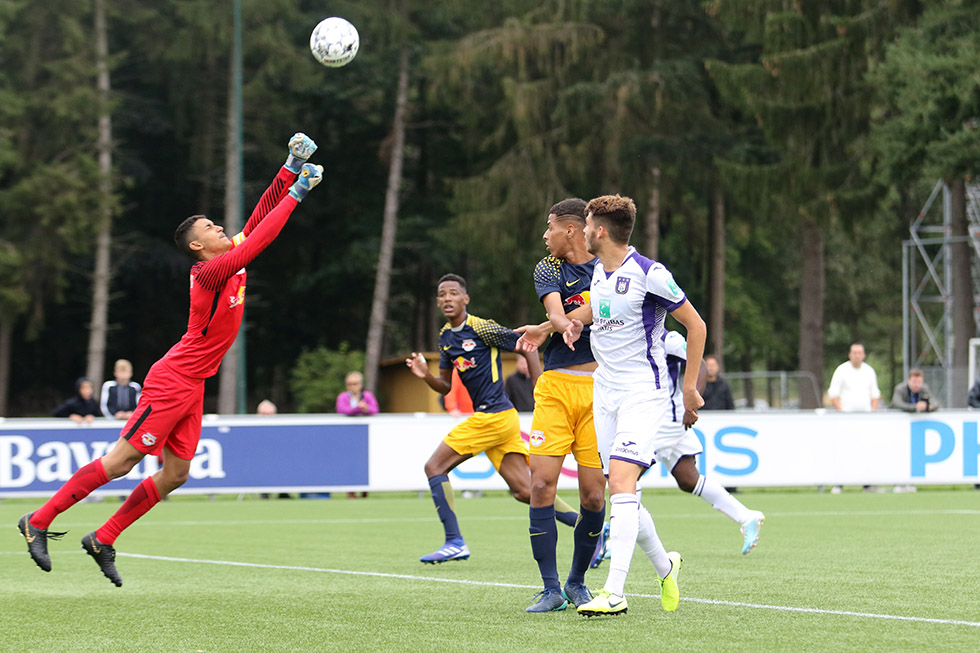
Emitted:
pixel 519 387
pixel 82 408
pixel 355 400
pixel 266 407
pixel 913 395
pixel 119 397
pixel 973 399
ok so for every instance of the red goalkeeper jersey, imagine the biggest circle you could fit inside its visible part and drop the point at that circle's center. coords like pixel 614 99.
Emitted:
pixel 218 286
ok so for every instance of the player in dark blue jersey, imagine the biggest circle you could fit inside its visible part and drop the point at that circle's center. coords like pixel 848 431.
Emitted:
pixel 472 346
pixel 563 410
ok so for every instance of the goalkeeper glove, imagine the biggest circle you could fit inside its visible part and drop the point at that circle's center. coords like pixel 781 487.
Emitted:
pixel 310 175
pixel 301 148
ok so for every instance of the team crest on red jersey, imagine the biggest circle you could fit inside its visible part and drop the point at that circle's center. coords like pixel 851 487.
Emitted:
pixel 235 300
pixel 148 439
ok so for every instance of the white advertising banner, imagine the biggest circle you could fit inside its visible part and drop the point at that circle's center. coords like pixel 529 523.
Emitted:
pixel 741 449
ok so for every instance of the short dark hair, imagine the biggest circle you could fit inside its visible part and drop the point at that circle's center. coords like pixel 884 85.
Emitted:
pixel 452 277
pixel 182 236
pixel 572 208
pixel 617 214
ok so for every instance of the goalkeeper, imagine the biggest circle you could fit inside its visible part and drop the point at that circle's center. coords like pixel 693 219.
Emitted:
pixel 167 419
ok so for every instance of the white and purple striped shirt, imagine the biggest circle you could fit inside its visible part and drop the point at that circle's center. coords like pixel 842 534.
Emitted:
pixel 675 348
pixel 628 310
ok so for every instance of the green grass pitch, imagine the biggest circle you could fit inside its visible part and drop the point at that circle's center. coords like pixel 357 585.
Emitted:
pixel 855 571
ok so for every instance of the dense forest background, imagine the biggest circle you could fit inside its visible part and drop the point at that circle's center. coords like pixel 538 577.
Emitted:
pixel 777 152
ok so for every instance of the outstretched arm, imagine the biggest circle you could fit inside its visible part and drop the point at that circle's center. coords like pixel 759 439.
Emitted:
pixel 270 198
pixel 535 335
pixel 213 273
pixel 301 148
pixel 578 319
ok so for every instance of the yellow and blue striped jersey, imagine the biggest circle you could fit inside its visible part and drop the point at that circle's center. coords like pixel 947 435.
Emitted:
pixel 473 348
pixel 571 281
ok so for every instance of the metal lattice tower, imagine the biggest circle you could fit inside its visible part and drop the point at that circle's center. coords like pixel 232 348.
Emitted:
pixel 973 228
pixel 927 272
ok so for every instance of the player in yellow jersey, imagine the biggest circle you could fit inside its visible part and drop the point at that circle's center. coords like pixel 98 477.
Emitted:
pixel 472 346
pixel 563 410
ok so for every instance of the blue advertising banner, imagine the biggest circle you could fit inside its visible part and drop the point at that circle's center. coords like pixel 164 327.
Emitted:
pixel 230 457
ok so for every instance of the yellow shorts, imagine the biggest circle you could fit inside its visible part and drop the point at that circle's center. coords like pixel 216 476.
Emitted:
pixel 562 422
pixel 495 434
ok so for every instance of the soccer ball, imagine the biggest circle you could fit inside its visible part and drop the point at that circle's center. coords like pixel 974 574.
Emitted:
pixel 334 42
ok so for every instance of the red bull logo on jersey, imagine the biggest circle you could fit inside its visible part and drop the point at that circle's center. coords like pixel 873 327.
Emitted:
pixel 537 438
pixel 469 344
pixel 577 299
pixel 622 285
pixel 148 439
pixel 237 299
pixel 462 364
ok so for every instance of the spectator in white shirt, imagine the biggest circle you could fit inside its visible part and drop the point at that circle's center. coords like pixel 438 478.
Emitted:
pixel 854 386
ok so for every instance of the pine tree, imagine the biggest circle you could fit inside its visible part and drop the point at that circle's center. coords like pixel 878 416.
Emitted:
pixel 647 123
pixel 929 128
pixel 808 94
pixel 48 170
pixel 504 83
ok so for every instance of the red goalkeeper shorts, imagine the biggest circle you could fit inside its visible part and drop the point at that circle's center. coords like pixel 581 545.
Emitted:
pixel 169 413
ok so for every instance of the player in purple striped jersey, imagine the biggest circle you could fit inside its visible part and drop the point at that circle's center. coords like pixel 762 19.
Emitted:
pixel 630 296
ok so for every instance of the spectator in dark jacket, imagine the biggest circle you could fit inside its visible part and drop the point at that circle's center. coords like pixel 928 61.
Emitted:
pixel 717 395
pixel 82 408
pixel 519 387
pixel 913 395
pixel 974 398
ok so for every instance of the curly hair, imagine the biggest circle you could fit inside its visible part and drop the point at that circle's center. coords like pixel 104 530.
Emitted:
pixel 617 214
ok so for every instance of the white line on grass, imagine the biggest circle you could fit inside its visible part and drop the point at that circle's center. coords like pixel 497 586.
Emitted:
pixel 397 520
pixel 378 574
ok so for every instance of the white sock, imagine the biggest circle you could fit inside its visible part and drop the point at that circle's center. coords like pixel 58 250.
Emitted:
pixel 711 491
pixel 623 527
pixel 650 542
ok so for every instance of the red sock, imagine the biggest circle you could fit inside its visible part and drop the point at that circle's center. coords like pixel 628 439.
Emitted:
pixel 74 490
pixel 144 497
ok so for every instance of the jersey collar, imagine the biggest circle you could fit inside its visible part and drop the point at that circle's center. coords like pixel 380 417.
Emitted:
pixel 466 319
